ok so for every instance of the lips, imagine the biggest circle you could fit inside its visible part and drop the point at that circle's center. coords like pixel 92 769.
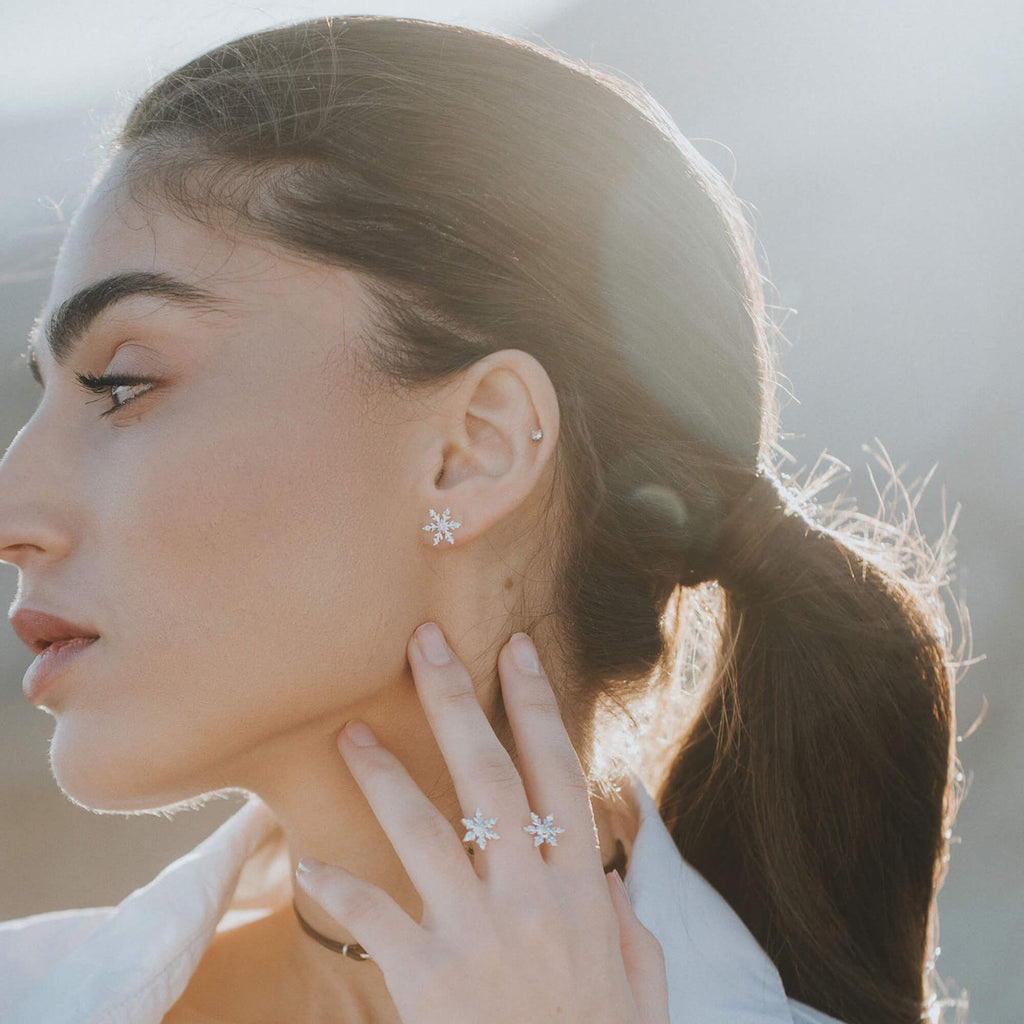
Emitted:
pixel 39 630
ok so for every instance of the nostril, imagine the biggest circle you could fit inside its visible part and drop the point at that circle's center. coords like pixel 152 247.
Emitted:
pixel 51 547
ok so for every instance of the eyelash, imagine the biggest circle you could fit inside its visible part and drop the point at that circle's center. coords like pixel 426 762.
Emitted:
pixel 105 383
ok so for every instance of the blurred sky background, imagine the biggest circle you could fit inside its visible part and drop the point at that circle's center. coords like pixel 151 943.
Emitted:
pixel 881 145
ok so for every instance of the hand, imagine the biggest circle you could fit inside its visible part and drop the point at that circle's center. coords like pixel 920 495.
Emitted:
pixel 520 932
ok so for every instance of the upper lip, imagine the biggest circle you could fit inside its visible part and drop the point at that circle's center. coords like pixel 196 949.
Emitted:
pixel 37 630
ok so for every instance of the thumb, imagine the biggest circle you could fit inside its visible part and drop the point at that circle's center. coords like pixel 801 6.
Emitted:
pixel 642 957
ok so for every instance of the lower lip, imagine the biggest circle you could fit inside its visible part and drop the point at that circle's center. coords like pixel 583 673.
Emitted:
pixel 50 663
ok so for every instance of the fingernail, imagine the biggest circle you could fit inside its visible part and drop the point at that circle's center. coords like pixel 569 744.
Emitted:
pixel 432 644
pixel 524 654
pixel 360 734
pixel 616 888
pixel 306 866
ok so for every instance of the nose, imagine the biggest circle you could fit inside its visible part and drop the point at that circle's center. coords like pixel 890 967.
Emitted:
pixel 35 516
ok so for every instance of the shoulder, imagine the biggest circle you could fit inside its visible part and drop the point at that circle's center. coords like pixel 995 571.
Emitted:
pixel 30 945
pixel 131 962
pixel 179 1014
pixel 717 972
pixel 56 931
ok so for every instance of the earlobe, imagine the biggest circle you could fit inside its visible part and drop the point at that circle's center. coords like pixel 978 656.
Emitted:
pixel 442 525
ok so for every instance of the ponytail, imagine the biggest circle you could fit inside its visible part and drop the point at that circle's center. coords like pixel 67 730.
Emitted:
pixel 811 789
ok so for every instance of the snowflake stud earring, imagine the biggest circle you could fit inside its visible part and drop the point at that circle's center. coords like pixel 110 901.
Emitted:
pixel 543 830
pixel 479 829
pixel 442 525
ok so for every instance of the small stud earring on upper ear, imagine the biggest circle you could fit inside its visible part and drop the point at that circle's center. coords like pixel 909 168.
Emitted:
pixel 537 434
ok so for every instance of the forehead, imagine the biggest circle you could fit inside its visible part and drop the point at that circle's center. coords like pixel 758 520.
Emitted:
pixel 119 234
pixel 118 231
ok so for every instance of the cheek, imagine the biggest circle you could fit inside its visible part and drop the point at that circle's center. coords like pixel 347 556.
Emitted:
pixel 260 557
pixel 250 593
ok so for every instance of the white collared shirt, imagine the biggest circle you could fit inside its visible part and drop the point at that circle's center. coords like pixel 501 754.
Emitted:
pixel 129 964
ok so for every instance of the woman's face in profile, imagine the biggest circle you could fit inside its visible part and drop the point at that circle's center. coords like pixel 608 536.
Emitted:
pixel 240 534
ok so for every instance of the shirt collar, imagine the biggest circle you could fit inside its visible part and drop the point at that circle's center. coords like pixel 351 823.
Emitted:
pixel 133 967
pixel 717 971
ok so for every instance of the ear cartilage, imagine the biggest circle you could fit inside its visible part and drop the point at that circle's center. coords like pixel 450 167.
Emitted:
pixel 442 526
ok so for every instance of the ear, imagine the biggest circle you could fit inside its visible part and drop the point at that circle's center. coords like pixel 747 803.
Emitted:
pixel 483 462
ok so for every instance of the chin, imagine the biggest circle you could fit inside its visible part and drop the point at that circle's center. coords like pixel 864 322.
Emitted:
pixel 103 780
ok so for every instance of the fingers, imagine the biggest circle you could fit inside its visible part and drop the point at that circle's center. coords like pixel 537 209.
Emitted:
pixel 642 957
pixel 547 806
pixel 423 838
pixel 549 781
pixel 379 924
pixel 464 910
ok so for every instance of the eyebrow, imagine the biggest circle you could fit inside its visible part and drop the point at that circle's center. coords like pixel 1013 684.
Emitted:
pixel 67 324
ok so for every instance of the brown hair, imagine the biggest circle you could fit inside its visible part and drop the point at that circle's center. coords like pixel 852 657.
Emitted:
pixel 500 196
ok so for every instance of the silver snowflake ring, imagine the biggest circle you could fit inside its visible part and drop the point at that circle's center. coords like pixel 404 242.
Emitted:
pixel 479 829
pixel 543 830
pixel 442 526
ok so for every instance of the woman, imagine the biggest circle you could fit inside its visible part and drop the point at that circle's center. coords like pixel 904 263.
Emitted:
pixel 413 352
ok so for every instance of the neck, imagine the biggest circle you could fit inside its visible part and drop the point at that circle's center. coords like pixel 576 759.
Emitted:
pixel 304 781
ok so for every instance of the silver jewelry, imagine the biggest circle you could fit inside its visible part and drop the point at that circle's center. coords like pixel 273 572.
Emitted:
pixel 442 525
pixel 543 830
pixel 537 434
pixel 350 949
pixel 480 829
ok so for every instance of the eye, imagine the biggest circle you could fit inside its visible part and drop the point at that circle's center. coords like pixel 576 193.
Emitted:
pixel 122 388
